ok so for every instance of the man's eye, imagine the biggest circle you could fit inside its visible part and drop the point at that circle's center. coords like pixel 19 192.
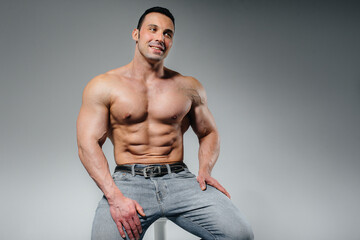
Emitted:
pixel 168 35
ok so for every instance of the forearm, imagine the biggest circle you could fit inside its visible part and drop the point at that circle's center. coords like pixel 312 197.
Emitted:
pixel 94 161
pixel 208 151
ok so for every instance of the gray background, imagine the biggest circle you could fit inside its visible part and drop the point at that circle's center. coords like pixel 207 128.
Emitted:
pixel 282 79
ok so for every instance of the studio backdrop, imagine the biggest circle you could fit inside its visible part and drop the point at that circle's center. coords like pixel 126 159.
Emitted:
pixel 282 80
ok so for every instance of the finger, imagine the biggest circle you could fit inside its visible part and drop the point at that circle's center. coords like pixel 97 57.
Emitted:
pixel 201 181
pixel 225 192
pixel 134 228
pixel 139 209
pixel 213 182
pixel 138 224
pixel 121 230
pixel 128 229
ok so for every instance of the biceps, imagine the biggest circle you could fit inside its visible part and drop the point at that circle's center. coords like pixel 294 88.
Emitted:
pixel 92 124
pixel 202 121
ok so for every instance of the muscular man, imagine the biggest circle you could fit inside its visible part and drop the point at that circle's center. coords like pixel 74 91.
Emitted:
pixel 145 108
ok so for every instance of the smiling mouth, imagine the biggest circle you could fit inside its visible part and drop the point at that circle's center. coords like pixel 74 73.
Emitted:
pixel 157 48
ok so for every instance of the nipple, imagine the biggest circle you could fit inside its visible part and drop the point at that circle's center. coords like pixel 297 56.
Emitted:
pixel 127 116
pixel 174 117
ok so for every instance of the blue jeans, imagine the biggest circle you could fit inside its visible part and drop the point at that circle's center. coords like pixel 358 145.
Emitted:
pixel 207 214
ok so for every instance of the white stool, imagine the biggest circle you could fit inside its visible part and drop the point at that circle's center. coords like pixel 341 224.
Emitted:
pixel 159 229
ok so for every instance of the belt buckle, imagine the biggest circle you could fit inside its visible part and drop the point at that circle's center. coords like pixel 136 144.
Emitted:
pixel 152 171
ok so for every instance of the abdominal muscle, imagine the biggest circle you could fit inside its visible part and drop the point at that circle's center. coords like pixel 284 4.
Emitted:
pixel 144 143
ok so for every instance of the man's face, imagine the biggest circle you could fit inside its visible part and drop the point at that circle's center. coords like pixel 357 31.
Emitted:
pixel 155 37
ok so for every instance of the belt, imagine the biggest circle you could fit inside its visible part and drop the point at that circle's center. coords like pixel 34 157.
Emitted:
pixel 154 170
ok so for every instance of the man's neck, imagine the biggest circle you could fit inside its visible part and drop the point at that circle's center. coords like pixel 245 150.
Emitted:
pixel 143 69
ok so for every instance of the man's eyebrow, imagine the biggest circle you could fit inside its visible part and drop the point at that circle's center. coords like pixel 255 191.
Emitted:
pixel 166 30
pixel 152 25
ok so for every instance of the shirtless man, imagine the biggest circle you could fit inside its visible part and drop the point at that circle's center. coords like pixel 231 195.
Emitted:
pixel 145 108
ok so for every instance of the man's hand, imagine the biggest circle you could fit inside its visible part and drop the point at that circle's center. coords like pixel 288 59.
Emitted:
pixel 124 212
pixel 205 178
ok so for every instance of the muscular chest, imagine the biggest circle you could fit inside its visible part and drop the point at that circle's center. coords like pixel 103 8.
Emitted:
pixel 160 102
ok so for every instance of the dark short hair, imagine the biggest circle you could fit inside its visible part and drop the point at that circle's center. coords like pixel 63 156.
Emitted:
pixel 161 10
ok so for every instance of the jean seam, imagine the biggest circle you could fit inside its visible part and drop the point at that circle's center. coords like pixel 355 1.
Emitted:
pixel 195 223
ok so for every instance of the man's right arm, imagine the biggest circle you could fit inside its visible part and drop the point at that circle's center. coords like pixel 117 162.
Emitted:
pixel 92 129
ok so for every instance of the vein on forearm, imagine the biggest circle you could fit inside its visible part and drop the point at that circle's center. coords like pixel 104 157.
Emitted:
pixel 94 160
pixel 209 151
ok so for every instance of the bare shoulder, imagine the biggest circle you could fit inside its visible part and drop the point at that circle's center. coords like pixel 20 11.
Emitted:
pixel 107 79
pixel 194 83
pixel 194 86
pixel 194 89
pixel 185 81
pixel 99 88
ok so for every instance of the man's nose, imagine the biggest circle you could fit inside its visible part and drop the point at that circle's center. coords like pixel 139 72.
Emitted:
pixel 160 37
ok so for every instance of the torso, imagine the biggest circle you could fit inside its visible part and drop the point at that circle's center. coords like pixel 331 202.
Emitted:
pixel 147 119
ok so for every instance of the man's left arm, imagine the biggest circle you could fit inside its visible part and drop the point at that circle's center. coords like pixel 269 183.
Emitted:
pixel 203 124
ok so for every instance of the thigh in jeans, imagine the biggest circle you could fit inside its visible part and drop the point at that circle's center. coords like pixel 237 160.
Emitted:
pixel 209 214
pixel 133 187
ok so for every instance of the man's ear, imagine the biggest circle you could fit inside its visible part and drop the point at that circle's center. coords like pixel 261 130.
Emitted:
pixel 135 34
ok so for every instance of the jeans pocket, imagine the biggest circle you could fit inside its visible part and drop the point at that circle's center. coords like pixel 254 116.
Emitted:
pixel 120 176
pixel 184 174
